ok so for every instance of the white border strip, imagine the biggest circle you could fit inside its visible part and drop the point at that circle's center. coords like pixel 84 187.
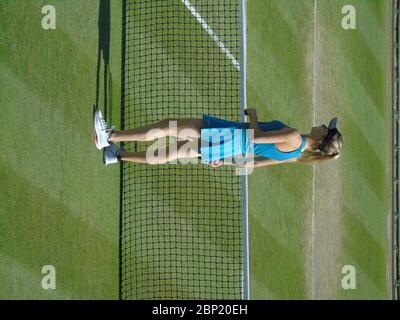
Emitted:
pixel 244 180
pixel 212 34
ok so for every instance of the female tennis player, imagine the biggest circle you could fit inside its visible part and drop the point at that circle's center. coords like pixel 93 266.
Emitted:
pixel 272 142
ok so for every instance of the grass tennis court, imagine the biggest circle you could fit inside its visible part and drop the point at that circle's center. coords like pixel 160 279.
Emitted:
pixel 302 68
pixel 310 71
pixel 50 212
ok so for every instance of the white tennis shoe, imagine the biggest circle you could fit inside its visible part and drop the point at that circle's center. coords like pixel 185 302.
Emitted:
pixel 101 129
pixel 110 154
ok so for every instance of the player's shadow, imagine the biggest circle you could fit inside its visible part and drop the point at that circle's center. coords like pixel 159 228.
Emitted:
pixel 103 60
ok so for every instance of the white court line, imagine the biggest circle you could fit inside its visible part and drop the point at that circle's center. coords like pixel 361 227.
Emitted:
pixel 212 34
pixel 313 176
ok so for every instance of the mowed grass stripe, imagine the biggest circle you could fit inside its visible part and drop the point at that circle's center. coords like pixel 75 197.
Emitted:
pixel 363 120
pixel 20 276
pixel 38 59
pixel 35 146
pixel 369 259
pixel 45 235
pixel 72 29
pixel 373 24
pixel 363 155
pixel 284 225
pixel 276 264
pixel 364 196
pixel 61 204
pixel 360 121
pixel 279 87
pixel 346 85
pixel 280 60
pixel 374 11
pixel 355 48
pixel 361 91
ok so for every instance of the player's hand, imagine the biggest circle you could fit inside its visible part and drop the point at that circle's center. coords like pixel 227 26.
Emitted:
pixel 249 111
pixel 216 163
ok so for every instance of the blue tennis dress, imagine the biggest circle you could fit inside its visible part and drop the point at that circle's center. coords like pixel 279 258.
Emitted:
pixel 222 139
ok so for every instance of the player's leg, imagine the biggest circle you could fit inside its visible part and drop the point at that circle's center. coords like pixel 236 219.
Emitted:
pixel 161 155
pixel 181 128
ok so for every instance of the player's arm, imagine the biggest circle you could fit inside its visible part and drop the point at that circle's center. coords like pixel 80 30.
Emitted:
pixel 271 162
pixel 257 163
pixel 288 135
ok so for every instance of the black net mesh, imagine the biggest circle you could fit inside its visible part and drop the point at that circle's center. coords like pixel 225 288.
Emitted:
pixel 181 225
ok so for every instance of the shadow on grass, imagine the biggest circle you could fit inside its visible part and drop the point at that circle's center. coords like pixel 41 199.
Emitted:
pixel 103 58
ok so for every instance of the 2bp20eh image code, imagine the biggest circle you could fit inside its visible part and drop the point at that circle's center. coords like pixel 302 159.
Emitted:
pixel 201 309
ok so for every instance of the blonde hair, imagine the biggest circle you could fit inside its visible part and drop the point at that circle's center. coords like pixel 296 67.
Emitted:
pixel 331 151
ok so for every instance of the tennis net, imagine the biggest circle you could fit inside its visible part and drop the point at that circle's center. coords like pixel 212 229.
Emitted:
pixel 181 225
